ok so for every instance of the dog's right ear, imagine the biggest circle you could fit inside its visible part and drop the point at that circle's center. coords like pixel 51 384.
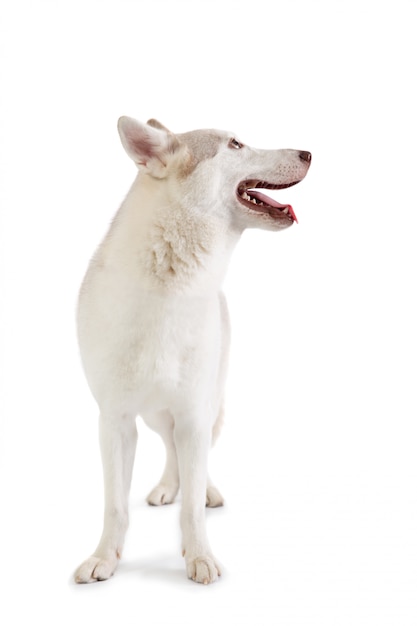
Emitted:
pixel 149 146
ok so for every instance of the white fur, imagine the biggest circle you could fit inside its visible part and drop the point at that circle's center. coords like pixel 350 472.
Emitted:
pixel 153 324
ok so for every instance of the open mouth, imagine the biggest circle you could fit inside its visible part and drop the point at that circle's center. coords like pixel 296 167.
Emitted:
pixel 256 201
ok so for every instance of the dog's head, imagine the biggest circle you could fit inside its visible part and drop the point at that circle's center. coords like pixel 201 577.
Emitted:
pixel 212 170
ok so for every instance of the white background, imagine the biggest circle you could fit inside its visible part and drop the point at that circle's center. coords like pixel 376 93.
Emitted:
pixel 318 456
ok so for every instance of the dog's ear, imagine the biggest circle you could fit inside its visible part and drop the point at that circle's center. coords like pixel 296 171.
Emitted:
pixel 148 145
pixel 155 124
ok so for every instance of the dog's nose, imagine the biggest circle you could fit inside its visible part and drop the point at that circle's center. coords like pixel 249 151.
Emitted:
pixel 305 156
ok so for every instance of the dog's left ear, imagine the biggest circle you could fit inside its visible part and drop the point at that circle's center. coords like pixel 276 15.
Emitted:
pixel 149 145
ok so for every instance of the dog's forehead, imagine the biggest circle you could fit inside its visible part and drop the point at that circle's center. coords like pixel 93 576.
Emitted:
pixel 204 144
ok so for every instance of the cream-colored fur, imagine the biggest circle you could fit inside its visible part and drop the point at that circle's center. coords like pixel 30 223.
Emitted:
pixel 153 324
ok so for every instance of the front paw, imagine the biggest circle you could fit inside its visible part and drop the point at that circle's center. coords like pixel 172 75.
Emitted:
pixel 203 569
pixel 94 569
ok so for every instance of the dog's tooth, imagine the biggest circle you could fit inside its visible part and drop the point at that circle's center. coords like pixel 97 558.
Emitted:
pixel 253 201
pixel 285 211
pixel 245 196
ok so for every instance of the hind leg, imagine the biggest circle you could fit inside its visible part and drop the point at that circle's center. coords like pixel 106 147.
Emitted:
pixel 214 498
pixel 167 488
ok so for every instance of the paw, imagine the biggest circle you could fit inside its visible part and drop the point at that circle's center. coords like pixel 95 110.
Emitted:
pixel 203 569
pixel 213 497
pixel 162 494
pixel 95 569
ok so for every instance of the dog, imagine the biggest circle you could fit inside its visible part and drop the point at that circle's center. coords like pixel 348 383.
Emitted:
pixel 153 325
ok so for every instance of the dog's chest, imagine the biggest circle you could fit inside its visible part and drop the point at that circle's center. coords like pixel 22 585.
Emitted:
pixel 154 342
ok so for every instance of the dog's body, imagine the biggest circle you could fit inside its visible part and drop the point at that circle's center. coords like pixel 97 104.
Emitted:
pixel 153 323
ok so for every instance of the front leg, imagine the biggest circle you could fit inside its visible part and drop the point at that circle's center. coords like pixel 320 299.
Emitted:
pixel 118 438
pixel 192 440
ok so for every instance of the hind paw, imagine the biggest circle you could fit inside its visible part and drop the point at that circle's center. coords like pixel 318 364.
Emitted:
pixel 162 494
pixel 213 497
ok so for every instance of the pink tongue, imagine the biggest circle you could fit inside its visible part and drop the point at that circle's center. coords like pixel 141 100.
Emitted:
pixel 267 200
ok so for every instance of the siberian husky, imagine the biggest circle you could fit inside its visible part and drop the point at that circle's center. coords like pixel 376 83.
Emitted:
pixel 153 325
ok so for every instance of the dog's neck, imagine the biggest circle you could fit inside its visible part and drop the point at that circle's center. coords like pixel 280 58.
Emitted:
pixel 175 248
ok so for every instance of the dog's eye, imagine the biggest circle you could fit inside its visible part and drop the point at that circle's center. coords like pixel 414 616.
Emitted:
pixel 235 144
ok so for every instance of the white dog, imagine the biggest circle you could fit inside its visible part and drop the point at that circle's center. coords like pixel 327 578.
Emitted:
pixel 153 323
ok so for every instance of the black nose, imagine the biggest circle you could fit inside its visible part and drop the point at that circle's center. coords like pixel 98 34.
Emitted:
pixel 305 156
